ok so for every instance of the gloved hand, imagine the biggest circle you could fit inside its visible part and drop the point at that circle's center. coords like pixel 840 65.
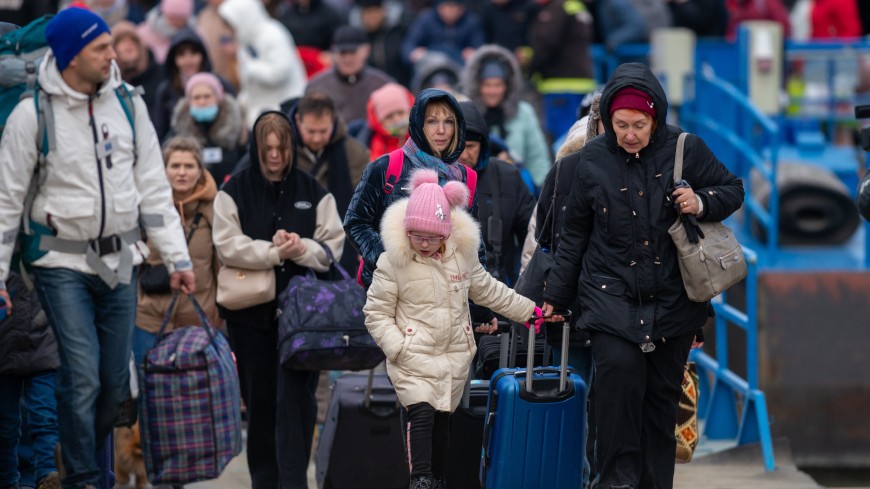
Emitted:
pixel 693 230
pixel 539 314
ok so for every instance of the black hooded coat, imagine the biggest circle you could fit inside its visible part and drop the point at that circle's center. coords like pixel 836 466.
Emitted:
pixel 615 235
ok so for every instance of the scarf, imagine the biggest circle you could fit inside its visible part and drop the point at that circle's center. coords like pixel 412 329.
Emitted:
pixel 422 159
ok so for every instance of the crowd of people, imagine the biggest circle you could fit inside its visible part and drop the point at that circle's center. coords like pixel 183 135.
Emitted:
pixel 263 133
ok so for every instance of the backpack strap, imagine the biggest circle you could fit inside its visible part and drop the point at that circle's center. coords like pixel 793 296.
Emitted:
pixel 471 183
pixel 44 141
pixel 394 170
pixel 125 96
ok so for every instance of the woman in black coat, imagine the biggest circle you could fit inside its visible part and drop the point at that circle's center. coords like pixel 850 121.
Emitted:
pixel 617 257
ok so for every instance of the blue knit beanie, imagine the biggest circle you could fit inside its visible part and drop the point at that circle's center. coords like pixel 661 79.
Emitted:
pixel 70 31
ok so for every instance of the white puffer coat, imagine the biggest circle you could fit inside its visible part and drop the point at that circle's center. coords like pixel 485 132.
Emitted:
pixel 417 309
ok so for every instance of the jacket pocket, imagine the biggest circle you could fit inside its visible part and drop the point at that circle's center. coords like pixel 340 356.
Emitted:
pixel 410 331
pixel 608 285
pixel 72 216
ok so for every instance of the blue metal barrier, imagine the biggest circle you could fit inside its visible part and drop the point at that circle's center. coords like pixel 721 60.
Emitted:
pixel 722 392
pixel 741 137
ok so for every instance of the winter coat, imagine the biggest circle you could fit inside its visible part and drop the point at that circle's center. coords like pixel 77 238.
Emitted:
pixel 221 139
pixel 507 24
pixel 171 89
pixel 27 344
pixel 363 218
pixel 621 23
pixel 270 70
pixel 615 239
pixel 83 198
pixel 515 204
pixel 350 94
pixel 743 10
pixel 386 51
pixel 248 211
pixel 430 32
pixel 835 19
pixel 152 307
pixel 310 25
pixel 417 309
pixel 522 129
pixel 707 18
pixel 560 36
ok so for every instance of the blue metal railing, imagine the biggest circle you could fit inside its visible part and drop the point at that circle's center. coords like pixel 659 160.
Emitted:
pixel 723 393
pixel 742 137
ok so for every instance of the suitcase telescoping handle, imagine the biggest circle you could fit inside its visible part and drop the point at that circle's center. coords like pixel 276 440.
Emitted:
pixel 504 330
pixel 563 364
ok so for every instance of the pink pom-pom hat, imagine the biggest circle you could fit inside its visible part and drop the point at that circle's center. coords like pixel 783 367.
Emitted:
pixel 430 205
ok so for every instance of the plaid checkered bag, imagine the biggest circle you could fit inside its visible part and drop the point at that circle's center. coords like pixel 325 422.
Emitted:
pixel 191 422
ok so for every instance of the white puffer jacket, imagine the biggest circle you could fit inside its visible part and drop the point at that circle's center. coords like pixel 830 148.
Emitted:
pixel 417 309
pixel 270 68
pixel 80 197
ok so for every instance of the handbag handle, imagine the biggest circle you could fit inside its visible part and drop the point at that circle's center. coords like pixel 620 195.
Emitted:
pixel 678 158
pixel 203 318
pixel 333 262
pixel 551 218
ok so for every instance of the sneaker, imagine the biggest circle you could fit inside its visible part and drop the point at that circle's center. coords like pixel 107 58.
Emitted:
pixel 50 481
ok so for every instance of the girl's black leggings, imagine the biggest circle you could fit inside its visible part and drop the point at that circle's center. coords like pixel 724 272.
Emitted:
pixel 427 438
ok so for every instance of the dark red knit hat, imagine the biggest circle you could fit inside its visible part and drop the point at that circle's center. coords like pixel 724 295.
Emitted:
pixel 632 98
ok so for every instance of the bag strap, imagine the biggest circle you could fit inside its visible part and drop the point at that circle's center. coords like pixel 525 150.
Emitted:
pixel 394 170
pixel 551 218
pixel 678 157
pixel 203 318
pixel 125 96
pixel 194 226
pixel 471 183
pixel 333 262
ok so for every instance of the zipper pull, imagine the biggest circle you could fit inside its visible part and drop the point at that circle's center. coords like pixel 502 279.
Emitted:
pixel 637 156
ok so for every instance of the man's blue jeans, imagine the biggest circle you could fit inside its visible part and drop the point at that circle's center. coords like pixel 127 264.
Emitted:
pixel 93 325
pixel 580 358
pixel 41 411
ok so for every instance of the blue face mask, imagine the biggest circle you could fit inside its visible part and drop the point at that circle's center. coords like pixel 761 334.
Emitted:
pixel 204 114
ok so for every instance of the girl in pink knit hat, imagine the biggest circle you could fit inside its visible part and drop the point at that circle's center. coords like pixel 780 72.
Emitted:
pixel 417 311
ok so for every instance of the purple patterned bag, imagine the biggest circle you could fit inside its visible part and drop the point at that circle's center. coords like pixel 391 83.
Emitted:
pixel 191 422
pixel 321 324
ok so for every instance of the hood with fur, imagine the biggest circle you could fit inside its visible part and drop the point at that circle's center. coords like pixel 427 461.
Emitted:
pixel 470 82
pixel 464 237
pixel 225 131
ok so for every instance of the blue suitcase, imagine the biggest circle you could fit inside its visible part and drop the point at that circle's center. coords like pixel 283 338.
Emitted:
pixel 536 417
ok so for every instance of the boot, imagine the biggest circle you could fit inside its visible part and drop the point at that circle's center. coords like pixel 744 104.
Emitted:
pixel 421 482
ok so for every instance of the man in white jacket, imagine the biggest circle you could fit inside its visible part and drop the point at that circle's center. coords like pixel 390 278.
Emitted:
pixel 102 173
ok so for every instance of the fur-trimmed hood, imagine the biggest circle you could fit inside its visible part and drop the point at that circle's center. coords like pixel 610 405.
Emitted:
pixel 470 81
pixel 225 131
pixel 464 238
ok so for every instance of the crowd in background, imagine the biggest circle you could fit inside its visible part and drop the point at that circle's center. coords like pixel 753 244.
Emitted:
pixel 338 80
